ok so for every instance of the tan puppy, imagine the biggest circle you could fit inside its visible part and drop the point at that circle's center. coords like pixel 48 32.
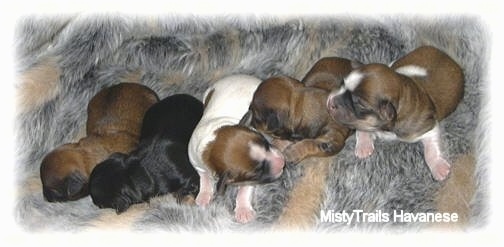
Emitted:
pixel 405 101
pixel 114 120
pixel 287 110
pixel 220 148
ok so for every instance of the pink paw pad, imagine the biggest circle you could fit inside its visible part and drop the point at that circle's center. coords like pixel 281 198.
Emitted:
pixel 244 214
pixel 440 169
pixel 364 149
pixel 203 199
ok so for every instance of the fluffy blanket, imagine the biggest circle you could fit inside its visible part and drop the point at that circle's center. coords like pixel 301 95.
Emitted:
pixel 63 61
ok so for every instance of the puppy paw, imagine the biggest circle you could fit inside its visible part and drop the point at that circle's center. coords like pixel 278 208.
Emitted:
pixel 203 199
pixel 440 169
pixel 291 155
pixel 364 150
pixel 364 145
pixel 244 214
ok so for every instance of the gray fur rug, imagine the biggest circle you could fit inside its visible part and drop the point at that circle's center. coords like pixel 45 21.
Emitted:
pixel 63 61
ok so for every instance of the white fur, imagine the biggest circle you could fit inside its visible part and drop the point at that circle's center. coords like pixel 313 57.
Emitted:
pixel 244 212
pixel 440 168
pixel 353 80
pixel 385 135
pixel 412 70
pixel 257 152
pixel 230 101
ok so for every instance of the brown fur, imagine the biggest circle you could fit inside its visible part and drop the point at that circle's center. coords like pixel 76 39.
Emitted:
pixel 114 121
pixel 413 109
pixel 407 106
pixel 38 85
pixel 285 109
pixel 226 155
pixel 455 196
pixel 305 199
pixel 328 72
pixel 443 75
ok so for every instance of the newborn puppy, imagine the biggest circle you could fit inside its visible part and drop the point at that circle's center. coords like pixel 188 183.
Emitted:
pixel 113 125
pixel 159 165
pixel 405 102
pixel 235 154
pixel 286 109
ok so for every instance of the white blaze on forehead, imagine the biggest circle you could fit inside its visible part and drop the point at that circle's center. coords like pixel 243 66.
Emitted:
pixel 412 70
pixel 257 152
pixel 353 80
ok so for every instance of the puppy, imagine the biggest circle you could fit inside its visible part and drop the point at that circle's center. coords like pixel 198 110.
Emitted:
pixel 405 101
pixel 287 110
pixel 159 165
pixel 235 154
pixel 113 125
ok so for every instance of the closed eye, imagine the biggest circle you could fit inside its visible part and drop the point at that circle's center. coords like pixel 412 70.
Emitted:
pixel 359 106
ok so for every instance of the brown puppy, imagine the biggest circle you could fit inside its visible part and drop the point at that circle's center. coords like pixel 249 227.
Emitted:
pixel 285 109
pixel 405 101
pixel 114 120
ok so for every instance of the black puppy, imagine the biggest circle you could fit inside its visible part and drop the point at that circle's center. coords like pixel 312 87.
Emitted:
pixel 159 165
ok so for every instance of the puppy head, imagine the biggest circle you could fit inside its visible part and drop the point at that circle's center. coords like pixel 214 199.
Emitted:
pixel 241 155
pixel 368 99
pixel 64 175
pixel 272 108
pixel 110 185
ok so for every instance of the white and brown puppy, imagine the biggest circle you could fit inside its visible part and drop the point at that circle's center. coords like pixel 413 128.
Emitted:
pixel 221 148
pixel 405 101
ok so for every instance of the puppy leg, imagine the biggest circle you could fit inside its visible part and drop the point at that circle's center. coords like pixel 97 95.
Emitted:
pixel 364 145
pixel 281 144
pixel 206 191
pixel 302 150
pixel 243 210
pixel 439 167
pixel 306 148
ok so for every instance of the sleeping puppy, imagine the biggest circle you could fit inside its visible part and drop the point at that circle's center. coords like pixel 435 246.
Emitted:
pixel 159 165
pixel 113 125
pixel 219 147
pixel 296 117
pixel 405 101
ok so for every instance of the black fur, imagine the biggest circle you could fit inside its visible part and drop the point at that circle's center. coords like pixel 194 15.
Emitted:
pixel 159 165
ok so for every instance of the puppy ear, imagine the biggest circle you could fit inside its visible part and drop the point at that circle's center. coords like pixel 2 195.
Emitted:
pixel 387 111
pixel 274 119
pixel 75 184
pixel 246 119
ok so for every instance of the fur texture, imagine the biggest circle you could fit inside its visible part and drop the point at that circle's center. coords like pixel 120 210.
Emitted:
pixel 79 55
pixel 159 165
